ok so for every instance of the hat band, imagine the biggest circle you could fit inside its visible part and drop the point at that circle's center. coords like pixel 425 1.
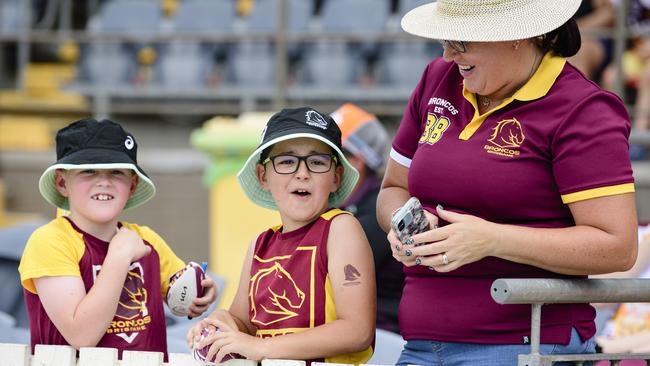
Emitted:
pixel 456 8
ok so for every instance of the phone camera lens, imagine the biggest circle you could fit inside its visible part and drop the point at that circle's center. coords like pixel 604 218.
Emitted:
pixel 400 225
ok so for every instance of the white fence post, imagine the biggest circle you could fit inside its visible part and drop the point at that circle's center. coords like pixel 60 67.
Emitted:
pixel 49 355
pixel 15 354
pixel 283 363
pixel 100 356
pixel 183 359
pixel 139 358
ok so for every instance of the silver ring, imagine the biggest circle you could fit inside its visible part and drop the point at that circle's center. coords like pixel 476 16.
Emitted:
pixel 445 259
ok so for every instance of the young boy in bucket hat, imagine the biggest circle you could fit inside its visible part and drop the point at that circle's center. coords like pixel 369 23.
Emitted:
pixel 89 279
pixel 307 288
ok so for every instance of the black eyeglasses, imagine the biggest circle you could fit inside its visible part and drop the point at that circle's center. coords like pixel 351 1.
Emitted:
pixel 458 46
pixel 288 164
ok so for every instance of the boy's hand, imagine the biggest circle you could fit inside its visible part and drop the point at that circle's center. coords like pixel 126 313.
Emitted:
pixel 230 340
pixel 129 243
pixel 195 332
pixel 201 304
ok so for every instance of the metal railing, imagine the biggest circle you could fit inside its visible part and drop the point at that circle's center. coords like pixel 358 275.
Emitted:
pixel 538 292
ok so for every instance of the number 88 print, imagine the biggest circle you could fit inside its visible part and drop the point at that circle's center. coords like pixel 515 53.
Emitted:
pixel 434 129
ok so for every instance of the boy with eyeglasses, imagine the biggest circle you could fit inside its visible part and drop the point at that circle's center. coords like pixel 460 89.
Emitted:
pixel 307 289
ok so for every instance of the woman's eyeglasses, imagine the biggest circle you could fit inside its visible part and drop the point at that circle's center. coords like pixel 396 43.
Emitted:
pixel 288 164
pixel 458 46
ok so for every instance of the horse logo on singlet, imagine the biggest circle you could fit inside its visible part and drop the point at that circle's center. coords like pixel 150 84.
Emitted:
pixel 507 134
pixel 133 300
pixel 282 296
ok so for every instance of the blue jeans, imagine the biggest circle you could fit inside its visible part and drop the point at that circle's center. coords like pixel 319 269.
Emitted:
pixel 423 352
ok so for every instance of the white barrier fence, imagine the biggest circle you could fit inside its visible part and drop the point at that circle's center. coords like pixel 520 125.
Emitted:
pixel 20 355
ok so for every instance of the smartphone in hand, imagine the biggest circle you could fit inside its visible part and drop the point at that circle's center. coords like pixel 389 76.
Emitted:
pixel 409 220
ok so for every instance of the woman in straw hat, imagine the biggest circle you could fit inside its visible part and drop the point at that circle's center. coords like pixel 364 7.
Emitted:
pixel 529 160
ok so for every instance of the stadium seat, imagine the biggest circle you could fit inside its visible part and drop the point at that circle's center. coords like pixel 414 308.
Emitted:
pixel 193 64
pixel 108 64
pixel 252 64
pixel 205 16
pixel 133 17
pixel 332 62
pixel 264 15
pixel 185 65
pixel 259 56
pixel 116 63
pixel 13 17
pixel 362 17
pixel 401 64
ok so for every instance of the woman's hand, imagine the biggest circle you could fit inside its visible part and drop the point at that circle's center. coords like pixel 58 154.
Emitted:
pixel 228 339
pixel 402 251
pixel 465 240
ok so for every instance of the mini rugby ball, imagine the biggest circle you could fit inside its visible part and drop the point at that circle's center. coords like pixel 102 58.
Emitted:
pixel 185 286
pixel 201 354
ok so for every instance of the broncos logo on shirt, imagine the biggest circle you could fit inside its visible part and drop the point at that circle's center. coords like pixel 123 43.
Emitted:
pixel 133 300
pixel 283 297
pixel 507 134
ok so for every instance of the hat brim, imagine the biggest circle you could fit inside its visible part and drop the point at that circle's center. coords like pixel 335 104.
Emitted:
pixel 528 19
pixel 95 159
pixel 247 176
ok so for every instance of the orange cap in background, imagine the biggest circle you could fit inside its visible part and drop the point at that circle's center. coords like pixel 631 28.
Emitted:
pixel 363 135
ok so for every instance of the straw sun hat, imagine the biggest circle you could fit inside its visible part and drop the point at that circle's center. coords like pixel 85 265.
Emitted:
pixel 488 20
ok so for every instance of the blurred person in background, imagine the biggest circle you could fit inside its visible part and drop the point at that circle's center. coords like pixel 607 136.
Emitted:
pixel 628 327
pixel 501 144
pixel 366 144
pixel 636 70
pixel 595 51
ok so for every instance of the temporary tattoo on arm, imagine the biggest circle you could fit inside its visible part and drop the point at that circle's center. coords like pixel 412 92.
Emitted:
pixel 351 276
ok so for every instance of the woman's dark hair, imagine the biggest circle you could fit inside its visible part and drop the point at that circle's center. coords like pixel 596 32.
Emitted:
pixel 563 41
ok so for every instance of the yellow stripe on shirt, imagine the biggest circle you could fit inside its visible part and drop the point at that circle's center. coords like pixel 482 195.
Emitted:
pixel 598 192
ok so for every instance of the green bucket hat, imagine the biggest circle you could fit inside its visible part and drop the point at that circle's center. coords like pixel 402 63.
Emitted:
pixel 291 124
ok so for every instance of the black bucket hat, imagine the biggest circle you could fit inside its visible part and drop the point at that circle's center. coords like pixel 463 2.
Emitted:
pixel 291 124
pixel 89 144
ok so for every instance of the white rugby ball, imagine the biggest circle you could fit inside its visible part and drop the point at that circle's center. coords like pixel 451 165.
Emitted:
pixel 184 287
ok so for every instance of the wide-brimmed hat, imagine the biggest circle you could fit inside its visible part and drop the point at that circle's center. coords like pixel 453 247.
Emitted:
pixel 488 20
pixel 89 144
pixel 363 135
pixel 292 124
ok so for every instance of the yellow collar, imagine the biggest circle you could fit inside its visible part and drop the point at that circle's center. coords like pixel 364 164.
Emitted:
pixel 536 87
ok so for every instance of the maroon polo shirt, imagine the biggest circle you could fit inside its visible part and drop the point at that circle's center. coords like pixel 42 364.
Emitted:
pixel 559 139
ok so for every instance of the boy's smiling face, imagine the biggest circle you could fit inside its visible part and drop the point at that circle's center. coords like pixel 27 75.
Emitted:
pixel 302 196
pixel 96 196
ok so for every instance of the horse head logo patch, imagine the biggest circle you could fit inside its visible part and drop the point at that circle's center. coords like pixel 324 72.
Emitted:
pixel 283 297
pixel 133 300
pixel 507 134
